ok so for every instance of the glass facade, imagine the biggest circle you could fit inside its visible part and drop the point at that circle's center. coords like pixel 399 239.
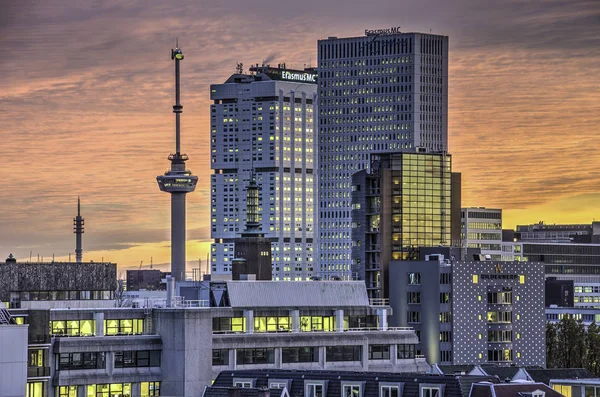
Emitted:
pixel 414 191
pixel 423 189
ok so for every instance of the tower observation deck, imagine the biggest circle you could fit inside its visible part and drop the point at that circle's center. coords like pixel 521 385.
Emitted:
pixel 178 182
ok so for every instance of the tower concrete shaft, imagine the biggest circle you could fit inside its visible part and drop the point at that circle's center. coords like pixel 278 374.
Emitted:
pixel 78 223
pixel 178 181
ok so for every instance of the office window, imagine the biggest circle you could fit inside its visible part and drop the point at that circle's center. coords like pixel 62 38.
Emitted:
pixel 565 390
pixel 35 389
pixel 499 355
pixel 66 391
pixel 343 353
pixel 72 328
pixel 36 357
pixel 124 327
pixel 413 317
pixel 446 336
pixel 475 278
pixel 379 352
pixel 521 279
pixel 75 361
pixel 220 357
pixel 406 351
pixel 229 324
pixel 445 317
pixel 414 278
pixel 500 298
pixel 255 356
pixel 109 390
pixel 148 389
pixel 272 324
pixel 446 355
pixel 137 358
pixel 414 297
pixel 299 355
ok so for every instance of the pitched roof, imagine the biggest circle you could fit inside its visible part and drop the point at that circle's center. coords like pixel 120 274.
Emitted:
pixel 456 369
pixel 544 375
pixel 297 294
pixel 511 390
pixel 215 391
pixel 468 380
pixel 334 379
pixel 502 372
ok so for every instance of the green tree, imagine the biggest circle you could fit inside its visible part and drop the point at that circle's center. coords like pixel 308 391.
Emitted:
pixel 593 349
pixel 552 357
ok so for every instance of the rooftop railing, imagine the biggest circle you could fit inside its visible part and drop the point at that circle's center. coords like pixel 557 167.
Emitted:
pixel 332 331
pixel 379 301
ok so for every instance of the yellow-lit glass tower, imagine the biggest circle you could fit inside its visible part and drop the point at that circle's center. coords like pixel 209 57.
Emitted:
pixel 403 203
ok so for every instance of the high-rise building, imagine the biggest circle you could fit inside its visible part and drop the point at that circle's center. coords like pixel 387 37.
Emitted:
pixel 384 92
pixel 404 202
pixel 482 228
pixel 264 122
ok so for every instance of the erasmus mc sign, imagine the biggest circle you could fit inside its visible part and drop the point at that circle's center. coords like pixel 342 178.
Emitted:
pixel 378 32
pixel 308 77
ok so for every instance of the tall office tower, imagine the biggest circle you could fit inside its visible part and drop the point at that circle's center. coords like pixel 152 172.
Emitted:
pixel 264 121
pixel 482 228
pixel 78 223
pixel 383 92
pixel 178 182
pixel 403 203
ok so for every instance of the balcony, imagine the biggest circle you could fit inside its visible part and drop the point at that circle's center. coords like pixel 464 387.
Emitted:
pixel 38 372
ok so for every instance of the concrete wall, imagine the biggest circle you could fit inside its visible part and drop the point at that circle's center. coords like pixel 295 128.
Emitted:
pixel 13 360
pixel 429 306
pixel 67 304
pixel 110 374
pixel 187 350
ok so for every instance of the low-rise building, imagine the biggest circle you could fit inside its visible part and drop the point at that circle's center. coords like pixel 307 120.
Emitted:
pixel 179 350
pixel 340 383
pixel 42 285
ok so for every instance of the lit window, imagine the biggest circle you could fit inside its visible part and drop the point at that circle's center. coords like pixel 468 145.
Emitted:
pixel 521 279
pixel 475 278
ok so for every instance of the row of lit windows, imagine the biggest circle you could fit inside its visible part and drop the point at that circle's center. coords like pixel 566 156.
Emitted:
pixel 147 389
pixel 88 327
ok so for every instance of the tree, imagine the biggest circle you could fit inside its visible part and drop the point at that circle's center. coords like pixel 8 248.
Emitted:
pixel 552 354
pixel 593 349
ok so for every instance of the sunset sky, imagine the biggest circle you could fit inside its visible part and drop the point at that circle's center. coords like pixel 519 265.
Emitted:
pixel 86 90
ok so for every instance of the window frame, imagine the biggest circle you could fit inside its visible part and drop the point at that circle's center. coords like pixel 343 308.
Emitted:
pixel 388 385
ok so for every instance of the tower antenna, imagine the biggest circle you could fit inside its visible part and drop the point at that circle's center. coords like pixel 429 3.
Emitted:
pixel 177 181
pixel 78 223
